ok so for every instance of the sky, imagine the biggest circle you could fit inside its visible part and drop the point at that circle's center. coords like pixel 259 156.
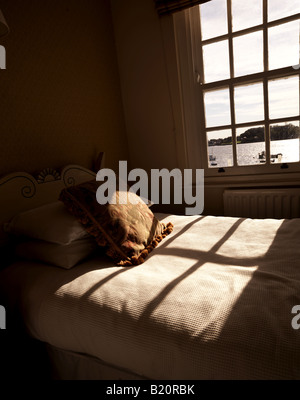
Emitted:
pixel 283 42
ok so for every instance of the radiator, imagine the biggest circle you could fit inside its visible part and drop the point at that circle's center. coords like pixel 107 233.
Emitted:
pixel 262 203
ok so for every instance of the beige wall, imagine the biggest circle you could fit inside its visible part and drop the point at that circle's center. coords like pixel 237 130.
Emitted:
pixel 145 87
pixel 60 99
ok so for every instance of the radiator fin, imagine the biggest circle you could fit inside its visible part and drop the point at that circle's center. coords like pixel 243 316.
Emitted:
pixel 262 203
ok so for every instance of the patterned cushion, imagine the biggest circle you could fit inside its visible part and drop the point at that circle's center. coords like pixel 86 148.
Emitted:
pixel 128 231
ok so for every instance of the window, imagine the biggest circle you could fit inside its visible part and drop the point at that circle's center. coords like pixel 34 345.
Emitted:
pixel 246 54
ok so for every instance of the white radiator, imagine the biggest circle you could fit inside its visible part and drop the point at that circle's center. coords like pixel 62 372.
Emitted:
pixel 262 203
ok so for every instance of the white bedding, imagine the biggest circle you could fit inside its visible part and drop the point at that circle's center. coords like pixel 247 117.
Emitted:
pixel 212 301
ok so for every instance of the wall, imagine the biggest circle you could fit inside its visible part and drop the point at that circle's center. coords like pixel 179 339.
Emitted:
pixel 145 86
pixel 60 99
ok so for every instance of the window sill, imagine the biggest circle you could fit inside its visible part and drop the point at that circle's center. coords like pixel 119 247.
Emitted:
pixel 287 177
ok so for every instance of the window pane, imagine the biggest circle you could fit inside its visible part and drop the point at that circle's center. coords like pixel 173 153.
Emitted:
pixel 284 97
pixel 280 9
pixel 248 54
pixel 251 147
pixel 213 19
pixel 284 45
pixel 285 142
pixel 249 105
pixel 216 61
pixel 220 148
pixel 246 14
pixel 217 108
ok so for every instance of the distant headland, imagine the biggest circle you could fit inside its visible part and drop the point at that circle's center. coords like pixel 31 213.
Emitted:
pixel 252 135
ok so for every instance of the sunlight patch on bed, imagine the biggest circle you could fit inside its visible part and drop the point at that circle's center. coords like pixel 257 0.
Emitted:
pixel 251 240
pixel 210 293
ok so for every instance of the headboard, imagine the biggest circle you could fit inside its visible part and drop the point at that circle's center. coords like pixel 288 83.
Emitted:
pixel 21 191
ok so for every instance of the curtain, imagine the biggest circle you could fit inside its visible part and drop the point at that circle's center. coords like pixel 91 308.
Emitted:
pixel 164 7
pixel 3 25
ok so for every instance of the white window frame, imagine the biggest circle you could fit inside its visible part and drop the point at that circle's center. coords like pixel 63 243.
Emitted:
pixel 189 68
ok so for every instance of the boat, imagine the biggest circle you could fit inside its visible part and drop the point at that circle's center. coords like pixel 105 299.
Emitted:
pixel 262 157
pixel 274 157
pixel 212 160
pixel 277 157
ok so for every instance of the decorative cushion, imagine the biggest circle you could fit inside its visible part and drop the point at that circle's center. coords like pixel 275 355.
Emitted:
pixel 128 231
pixel 65 256
pixel 51 222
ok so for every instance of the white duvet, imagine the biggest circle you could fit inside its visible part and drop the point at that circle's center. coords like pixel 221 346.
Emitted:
pixel 213 301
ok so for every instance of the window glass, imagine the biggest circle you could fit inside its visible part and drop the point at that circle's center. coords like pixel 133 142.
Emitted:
pixel 246 14
pixel 284 97
pixel 249 103
pixel 216 61
pixel 248 54
pixel 282 8
pixel 217 108
pixel 220 152
pixel 284 45
pixel 284 145
pixel 252 85
pixel 213 19
pixel 251 148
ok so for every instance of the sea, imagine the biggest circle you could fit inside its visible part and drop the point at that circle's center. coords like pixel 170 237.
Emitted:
pixel 282 151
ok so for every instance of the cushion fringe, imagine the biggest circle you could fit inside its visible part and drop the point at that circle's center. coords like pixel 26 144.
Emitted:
pixel 137 260
pixel 82 215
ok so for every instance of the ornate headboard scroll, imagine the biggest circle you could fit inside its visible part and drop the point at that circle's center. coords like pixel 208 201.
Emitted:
pixel 22 191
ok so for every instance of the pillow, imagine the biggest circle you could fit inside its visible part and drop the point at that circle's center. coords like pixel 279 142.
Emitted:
pixel 65 256
pixel 51 223
pixel 128 231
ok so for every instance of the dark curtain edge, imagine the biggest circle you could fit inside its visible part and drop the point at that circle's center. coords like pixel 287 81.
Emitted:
pixel 167 7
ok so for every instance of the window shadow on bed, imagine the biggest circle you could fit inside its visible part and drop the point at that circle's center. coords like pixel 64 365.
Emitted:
pixel 253 332
pixel 173 236
pixel 123 270
pixel 261 317
pixel 105 280
pixel 106 263
pixel 197 254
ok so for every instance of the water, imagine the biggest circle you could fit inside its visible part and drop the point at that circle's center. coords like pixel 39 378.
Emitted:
pixel 248 153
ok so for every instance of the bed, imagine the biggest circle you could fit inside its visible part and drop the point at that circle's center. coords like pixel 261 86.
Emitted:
pixel 213 300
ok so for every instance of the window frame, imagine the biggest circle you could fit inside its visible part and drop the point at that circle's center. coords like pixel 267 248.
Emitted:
pixel 193 27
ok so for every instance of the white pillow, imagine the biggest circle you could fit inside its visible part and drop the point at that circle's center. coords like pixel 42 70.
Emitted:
pixel 64 256
pixel 51 223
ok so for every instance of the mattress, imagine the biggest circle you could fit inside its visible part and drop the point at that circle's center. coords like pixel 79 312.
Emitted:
pixel 213 301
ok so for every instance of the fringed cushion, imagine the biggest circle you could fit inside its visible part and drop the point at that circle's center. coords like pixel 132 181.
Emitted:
pixel 128 231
